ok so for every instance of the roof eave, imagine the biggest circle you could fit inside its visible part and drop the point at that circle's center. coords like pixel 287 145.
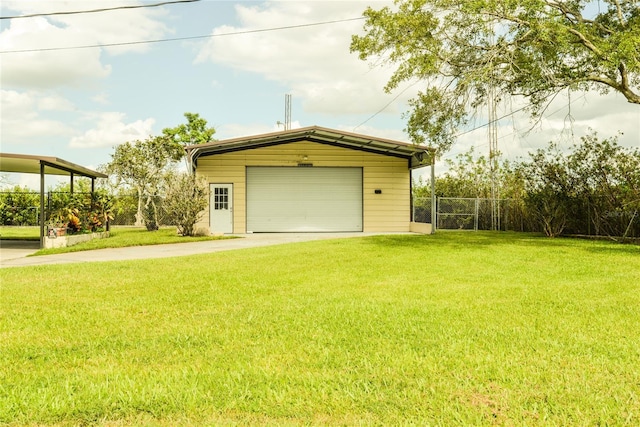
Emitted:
pixel 315 134
pixel 25 163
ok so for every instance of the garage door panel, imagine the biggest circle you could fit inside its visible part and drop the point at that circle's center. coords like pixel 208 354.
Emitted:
pixel 290 199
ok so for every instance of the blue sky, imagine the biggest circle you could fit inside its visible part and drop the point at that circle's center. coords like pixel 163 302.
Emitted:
pixel 78 104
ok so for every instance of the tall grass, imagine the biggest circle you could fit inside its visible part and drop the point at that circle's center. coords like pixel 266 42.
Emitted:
pixel 469 329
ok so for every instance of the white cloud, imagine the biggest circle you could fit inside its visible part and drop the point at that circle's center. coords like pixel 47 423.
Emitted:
pixel 47 69
pixel 55 103
pixel 110 130
pixel 393 133
pixel 101 98
pixel 313 61
pixel 237 130
pixel 43 68
pixel 22 116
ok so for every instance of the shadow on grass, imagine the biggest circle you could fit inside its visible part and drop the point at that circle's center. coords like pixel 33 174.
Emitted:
pixel 484 239
pixel 19 244
pixel 459 239
pixel 614 248
pixel 19 238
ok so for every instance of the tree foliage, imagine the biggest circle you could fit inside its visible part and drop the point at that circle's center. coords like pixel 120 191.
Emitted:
pixel 549 189
pixel 19 206
pixel 530 48
pixel 592 188
pixel 195 131
pixel 143 166
pixel 186 199
pixel 146 166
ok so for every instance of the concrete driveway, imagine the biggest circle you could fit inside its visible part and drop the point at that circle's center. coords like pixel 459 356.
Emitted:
pixel 15 249
pixel 16 255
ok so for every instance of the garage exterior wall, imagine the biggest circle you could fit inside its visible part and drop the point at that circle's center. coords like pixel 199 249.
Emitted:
pixel 388 211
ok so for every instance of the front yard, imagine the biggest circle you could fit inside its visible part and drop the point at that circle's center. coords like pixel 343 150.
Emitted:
pixel 450 329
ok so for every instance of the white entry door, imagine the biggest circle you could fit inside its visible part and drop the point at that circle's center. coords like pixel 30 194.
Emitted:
pixel 221 208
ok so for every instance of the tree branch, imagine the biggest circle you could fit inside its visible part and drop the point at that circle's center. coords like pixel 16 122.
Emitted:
pixel 620 15
pixel 586 42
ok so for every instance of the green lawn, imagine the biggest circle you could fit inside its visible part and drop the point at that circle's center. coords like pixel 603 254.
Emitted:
pixel 119 237
pixel 451 329
pixel 19 233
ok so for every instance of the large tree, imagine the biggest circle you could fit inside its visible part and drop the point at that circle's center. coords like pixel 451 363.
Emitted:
pixel 464 50
pixel 143 165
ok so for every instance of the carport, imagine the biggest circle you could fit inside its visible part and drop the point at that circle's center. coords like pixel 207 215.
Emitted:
pixel 45 165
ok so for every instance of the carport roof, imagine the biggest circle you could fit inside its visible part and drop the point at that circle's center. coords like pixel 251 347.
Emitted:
pixel 24 163
pixel 418 155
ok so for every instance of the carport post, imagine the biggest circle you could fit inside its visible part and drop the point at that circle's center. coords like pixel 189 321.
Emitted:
pixel 434 217
pixel 41 205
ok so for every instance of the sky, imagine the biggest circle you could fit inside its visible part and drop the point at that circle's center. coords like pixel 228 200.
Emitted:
pixel 78 104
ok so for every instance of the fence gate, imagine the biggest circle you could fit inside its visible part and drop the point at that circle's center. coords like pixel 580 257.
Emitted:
pixel 456 213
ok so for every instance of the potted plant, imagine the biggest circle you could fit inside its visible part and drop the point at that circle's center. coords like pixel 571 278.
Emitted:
pixel 74 225
pixel 57 224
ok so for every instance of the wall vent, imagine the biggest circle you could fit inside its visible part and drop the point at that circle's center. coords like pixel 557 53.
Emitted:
pixel 305 165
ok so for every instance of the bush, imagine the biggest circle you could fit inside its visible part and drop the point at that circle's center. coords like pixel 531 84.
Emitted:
pixel 187 197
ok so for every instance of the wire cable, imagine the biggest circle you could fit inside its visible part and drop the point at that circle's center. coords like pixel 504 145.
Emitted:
pixel 106 9
pixel 262 30
pixel 512 113
pixel 387 104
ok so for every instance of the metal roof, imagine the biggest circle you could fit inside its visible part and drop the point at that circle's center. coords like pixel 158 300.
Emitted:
pixel 24 163
pixel 418 155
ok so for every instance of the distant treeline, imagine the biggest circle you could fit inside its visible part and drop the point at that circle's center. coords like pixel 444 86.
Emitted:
pixel 591 189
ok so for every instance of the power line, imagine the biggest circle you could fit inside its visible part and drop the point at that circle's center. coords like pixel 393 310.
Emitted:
pixel 512 113
pixel 263 30
pixel 491 122
pixel 386 105
pixel 106 9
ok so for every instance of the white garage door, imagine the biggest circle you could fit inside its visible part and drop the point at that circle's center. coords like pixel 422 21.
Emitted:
pixel 304 199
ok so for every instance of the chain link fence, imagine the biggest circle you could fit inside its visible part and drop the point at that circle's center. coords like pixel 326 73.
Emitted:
pixel 23 208
pixel 459 213
pixel 125 209
pixel 421 210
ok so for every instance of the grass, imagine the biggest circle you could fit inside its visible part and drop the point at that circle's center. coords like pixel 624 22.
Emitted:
pixel 451 329
pixel 119 237
pixel 19 233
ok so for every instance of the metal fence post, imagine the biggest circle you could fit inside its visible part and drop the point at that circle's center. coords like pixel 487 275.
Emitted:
pixel 475 222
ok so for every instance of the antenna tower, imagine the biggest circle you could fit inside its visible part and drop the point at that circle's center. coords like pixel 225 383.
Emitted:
pixel 287 111
pixel 493 159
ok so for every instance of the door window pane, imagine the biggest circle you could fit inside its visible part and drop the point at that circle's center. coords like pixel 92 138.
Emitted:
pixel 220 198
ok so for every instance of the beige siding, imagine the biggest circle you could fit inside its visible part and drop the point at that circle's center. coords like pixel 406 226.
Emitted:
pixel 389 211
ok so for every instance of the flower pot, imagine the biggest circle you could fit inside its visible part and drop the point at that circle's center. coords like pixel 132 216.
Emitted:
pixel 53 232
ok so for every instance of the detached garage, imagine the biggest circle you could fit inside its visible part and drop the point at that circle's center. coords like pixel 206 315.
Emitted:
pixel 307 180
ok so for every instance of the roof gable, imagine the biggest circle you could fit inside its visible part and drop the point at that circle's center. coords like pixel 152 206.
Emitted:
pixel 417 155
